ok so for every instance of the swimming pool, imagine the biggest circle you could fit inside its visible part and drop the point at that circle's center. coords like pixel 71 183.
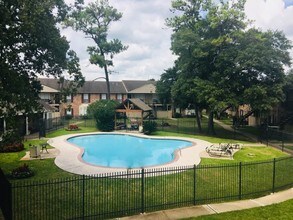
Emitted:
pixel 126 151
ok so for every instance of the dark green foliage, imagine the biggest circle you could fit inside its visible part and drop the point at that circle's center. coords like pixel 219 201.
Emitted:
pixel 164 85
pixel 11 142
pixel 103 112
pixel 224 62
pixel 149 127
pixel 31 45
pixel 21 172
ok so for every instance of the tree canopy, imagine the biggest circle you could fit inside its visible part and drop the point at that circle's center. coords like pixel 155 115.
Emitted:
pixel 94 21
pixel 228 62
pixel 104 113
pixel 31 46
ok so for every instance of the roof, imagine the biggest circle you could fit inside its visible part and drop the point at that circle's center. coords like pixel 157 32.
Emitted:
pixel 47 107
pixel 52 83
pixel 148 88
pixel 88 87
pixel 49 89
pixel 100 87
pixel 135 84
pixel 138 103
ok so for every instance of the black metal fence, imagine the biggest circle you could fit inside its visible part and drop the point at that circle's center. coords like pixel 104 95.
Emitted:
pixel 52 124
pixel 273 136
pixel 179 125
pixel 145 190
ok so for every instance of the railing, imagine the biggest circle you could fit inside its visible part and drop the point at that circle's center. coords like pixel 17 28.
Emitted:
pixel 278 138
pixel 145 190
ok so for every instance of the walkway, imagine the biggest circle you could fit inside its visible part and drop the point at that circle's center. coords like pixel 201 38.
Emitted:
pixel 229 128
pixel 209 209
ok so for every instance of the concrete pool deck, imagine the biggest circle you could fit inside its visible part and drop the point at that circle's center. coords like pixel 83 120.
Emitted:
pixel 69 158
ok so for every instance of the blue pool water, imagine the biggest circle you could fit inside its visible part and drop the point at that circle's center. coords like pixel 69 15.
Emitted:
pixel 125 151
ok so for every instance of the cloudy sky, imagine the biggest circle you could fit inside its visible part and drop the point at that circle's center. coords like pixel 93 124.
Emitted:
pixel 143 29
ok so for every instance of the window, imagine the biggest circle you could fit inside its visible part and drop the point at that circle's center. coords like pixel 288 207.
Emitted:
pixel 85 98
pixel 83 109
pixel 69 111
pixel 69 98
pixel 104 96
pixel 45 96
pixel 119 97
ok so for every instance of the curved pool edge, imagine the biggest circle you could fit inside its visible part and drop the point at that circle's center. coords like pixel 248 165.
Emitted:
pixel 69 156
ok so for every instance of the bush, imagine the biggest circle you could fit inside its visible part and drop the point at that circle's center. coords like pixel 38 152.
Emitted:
pixel 149 127
pixel 15 147
pixel 104 113
pixel 11 141
pixel 22 172
pixel 72 127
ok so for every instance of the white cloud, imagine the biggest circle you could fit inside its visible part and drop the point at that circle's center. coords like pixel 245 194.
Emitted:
pixel 272 15
pixel 142 28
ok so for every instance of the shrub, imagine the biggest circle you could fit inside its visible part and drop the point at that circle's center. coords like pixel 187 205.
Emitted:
pixel 149 127
pixel 15 147
pixel 22 172
pixel 11 141
pixel 73 127
pixel 104 113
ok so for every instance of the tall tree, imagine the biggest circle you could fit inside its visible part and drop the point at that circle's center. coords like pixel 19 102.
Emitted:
pixel 31 46
pixel 228 62
pixel 164 85
pixel 94 21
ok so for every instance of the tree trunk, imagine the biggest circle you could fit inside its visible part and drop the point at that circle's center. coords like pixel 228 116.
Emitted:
pixel 211 129
pixel 198 119
pixel 107 81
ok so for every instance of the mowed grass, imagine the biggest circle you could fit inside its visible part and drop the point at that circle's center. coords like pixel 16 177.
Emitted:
pixel 55 189
pixel 43 169
pixel 280 211
pixel 63 131
pixel 46 169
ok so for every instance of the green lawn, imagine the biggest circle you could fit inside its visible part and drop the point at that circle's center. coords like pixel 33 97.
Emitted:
pixel 64 131
pixel 216 180
pixel 189 126
pixel 280 211
pixel 44 169
pixel 9 161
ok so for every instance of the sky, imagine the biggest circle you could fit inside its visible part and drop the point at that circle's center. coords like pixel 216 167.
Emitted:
pixel 142 28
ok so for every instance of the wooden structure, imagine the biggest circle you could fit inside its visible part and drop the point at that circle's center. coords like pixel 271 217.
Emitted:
pixel 135 109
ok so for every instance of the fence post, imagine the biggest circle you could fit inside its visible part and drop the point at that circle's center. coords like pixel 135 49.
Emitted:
pixel 142 191
pixel 83 195
pixel 177 125
pixel 194 184
pixel 240 180
pixel 282 140
pixel 274 174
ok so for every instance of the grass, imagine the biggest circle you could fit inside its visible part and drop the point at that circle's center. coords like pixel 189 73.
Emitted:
pixel 282 210
pixel 188 126
pixel 64 131
pixel 212 139
pixel 43 169
pixel 54 189
pixel 248 154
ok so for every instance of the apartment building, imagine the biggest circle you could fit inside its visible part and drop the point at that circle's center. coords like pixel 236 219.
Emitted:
pixel 76 105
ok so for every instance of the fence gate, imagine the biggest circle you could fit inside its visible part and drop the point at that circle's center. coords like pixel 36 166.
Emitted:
pixel 5 197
